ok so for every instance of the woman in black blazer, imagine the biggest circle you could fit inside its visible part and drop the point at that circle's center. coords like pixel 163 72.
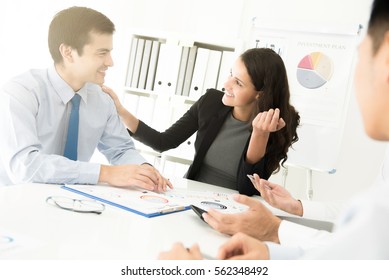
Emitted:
pixel 256 95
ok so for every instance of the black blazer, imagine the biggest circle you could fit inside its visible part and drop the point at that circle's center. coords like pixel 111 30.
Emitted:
pixel 206 116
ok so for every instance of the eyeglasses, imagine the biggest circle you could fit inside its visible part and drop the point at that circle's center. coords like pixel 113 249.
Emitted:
pixel 76 205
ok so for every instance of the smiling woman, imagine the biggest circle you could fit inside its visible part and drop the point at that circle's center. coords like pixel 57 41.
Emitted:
pixel 253 120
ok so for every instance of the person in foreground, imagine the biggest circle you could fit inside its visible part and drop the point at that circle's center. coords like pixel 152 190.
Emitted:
pixel 36 107
pixel 253 120
pixel 361 231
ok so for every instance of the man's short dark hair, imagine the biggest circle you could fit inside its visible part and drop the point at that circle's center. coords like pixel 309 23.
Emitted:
pixel 72 27
pixel 379 22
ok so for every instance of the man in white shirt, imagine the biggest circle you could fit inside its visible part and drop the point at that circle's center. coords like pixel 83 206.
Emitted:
pixel 35 111
pixel 362 230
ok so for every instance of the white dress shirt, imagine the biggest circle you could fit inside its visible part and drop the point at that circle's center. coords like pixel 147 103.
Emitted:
pixel 296 234
pixel 323 210
pixel 361 231
pixel 34 114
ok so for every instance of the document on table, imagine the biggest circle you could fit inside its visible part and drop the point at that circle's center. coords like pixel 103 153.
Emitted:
pixel 138 201
pixel 152 204
pixel 220 201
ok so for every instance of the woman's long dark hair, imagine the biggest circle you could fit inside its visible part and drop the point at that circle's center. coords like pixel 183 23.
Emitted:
pixel 268 74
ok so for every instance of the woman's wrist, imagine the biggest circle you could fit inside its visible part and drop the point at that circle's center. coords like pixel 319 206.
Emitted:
pixel 298 208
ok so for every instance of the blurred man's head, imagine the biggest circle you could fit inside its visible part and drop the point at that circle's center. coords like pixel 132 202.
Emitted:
pixel 372 73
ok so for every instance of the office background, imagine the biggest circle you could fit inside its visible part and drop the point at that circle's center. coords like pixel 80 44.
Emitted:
pixel 23 31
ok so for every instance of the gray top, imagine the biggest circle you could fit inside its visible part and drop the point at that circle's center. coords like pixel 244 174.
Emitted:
pixel 221 162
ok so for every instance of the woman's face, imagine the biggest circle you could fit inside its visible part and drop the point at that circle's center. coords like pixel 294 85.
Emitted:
pixel 239 90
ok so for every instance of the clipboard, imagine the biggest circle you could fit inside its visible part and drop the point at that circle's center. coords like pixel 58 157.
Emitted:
pixel 139 201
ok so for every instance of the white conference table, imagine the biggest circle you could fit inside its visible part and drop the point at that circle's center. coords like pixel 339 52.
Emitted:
pixel 41 231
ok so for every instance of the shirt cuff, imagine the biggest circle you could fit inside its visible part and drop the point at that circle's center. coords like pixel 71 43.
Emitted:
pixel 296 235
pixel 318 210
pixel 89 173
pixel 279 252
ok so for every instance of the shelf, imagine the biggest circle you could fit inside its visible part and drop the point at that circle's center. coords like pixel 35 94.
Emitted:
pixel 140 92
pixel 147 93
pixel 166 75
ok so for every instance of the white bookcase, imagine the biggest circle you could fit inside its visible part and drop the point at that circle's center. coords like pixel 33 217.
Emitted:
pixel 165 76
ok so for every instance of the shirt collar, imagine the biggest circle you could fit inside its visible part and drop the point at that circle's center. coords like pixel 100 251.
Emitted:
pixel 64 91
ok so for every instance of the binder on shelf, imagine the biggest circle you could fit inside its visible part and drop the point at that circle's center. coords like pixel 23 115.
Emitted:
pixel 182 70
pixel 137 63
pixel 144 64
pixel 172 169
pixel 162 113
pixel 186 149
pixel 178 108
pixel 167 68
pixel 189 70
pixel 152 65
pixel 227 60
pixel 212 72
pixel 146 108
pixel 131 102
pixel 200 68
pixel 131 61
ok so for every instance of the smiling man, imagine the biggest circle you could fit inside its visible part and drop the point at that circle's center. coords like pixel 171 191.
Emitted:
pixel 52 120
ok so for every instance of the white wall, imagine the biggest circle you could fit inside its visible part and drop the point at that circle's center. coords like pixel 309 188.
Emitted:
pixel 23 31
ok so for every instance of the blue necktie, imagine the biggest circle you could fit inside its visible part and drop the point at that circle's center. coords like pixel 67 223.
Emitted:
pixel 72 138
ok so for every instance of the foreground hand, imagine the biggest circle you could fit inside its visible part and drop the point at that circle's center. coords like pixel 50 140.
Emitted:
pixel 268 121
pixel 243 247
pixel 179 252
pixel 278 196
pixel 143 176
pixel 256 221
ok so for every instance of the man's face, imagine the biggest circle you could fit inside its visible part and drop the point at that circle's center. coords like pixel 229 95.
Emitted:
pixel 372 88
pixel 92 65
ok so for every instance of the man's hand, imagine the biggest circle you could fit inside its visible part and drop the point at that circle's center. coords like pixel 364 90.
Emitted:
pixel 256 221
pixel 179 252
pixel 243 247
pixel 143 176
pixel 278 196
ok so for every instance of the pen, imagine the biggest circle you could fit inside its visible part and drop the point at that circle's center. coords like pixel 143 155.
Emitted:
pixel 173 209
pixel 204 255
pixel 251 177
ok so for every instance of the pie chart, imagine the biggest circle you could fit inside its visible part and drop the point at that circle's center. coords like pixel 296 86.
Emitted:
pixel 314 70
